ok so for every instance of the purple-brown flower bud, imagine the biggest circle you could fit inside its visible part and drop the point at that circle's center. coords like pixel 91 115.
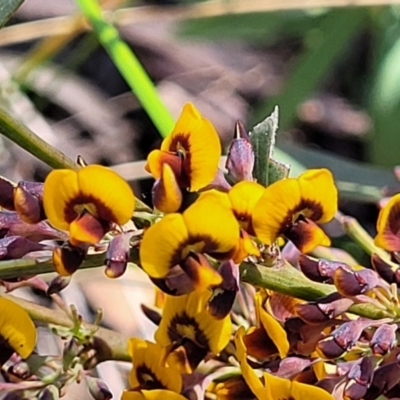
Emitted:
pixel 342 339
pixel 6 194
pixel 389 272
pixel 68 258
pixel 323 309
pixel 352 283
pixel 12 225
pixel 320 270
pixel 28 206
pixel 13 247
pixel 240 159
pixel 117 256
pixel 224 295
pixel 384 339
pixel 359 379
pixel 98 389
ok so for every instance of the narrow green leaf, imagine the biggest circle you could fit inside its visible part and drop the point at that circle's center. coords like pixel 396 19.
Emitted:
pixel 129 66
pixel 7 9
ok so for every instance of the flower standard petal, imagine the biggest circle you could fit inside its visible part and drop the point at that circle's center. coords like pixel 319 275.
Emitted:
pixel 244 196
pixel 162 244
pixel 166 194
pixel 16 329
pixel 319 195
pixel 275 209
pixel 212 226
pixel 151 395
pixel 249 374
pixel 300 391
pixel 197 140
pixel 149 371
pixel 60 189
pixel 109 197
pixel 187 317
pixel 388 225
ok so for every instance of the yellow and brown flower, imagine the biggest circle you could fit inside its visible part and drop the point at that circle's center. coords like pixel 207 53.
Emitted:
pixel 150 377
pixel 271 387
pixel 191 152
pixel 189 329
pixel 291 208
pixel 17 331
pixel 207 226
pixel 87 202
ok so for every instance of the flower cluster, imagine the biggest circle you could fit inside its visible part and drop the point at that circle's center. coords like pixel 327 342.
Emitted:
pixel 217 336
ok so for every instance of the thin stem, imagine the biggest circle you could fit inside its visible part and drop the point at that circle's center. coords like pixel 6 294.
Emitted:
pixel 129 66
pixel 25 138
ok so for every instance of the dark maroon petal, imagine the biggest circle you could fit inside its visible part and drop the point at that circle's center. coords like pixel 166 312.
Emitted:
pixel 57 284
pixel 385 270
pixel 13 247
pixel 6 194
pixel 152 314
pixel 329 348
pixel 29 207
pixel 353 283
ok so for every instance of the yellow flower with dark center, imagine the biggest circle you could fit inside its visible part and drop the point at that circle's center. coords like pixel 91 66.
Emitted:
pixel 17 331
pixel 150 378
pixel 187 317
pixel 292 207
pixel 270 387
pixel 192 150
pixel 87 202
pixel 388 225
pixel 207 226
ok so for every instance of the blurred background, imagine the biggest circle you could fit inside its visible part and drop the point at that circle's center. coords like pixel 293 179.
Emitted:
pixel 334 72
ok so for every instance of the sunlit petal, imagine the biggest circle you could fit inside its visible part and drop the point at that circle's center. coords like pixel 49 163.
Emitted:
pixel 60 188
pixel 166 194
pixel 274 210
pixel 244 196
pixel 111 196
pixel 197 140
pixel 319 195
pixel 161 247
pixel 16 328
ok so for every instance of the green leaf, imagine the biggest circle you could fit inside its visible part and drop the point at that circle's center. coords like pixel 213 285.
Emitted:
pixel 7 9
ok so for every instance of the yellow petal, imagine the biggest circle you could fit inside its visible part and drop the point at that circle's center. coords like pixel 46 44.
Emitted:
pixel 110 194
pixel 178 316
pixel 275 209
pixel 157 158
pixel 388 225
pixel 148 359
pixel 166 194
pixel 16 328
pixel 306 236
pixel 161 247
pixel 279 388
pixel 244 196
pixel 60 190
pixel 86 229
pixel 214 226
pixel 248 373
pixel 273 328
pixel 319 195
pixel 197 140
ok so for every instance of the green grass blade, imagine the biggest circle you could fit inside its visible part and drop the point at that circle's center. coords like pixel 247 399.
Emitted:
pixel 7 9
pixel 129 66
